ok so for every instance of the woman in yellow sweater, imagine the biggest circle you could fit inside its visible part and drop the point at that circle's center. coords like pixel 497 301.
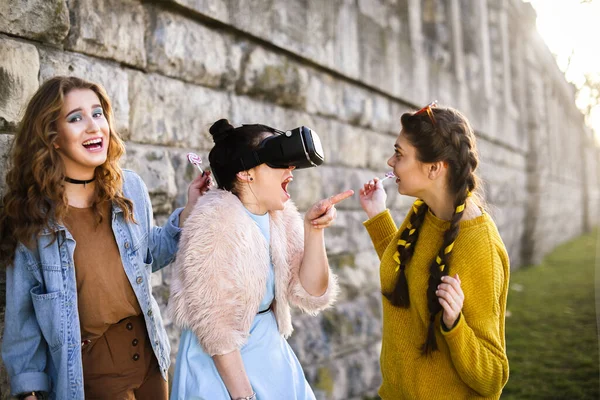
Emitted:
pixel 444 273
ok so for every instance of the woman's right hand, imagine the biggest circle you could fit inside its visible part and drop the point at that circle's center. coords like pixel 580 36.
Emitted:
pixel 373 197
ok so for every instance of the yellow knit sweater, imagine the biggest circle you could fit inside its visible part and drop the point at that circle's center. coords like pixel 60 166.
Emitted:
pixel 471 362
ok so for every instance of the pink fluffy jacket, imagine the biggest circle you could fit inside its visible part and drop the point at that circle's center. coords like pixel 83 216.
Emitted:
pixel 220 272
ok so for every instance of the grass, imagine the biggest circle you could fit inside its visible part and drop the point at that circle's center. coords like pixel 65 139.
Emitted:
pixel 551 329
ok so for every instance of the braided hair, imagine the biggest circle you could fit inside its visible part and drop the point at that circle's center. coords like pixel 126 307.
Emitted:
pixel 441 134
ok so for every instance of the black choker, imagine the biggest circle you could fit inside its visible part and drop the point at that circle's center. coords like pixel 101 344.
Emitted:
pixel 79 182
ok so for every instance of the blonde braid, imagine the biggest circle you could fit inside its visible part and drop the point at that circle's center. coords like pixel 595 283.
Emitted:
pixel 406 247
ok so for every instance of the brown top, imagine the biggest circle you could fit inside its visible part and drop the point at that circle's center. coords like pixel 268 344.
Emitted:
pixel 104 293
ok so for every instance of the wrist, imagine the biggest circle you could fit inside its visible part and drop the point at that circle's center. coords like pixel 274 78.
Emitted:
pixel 447 327
pixel 372 213
pixel 313 235
pixel 309 227
pixel 183 216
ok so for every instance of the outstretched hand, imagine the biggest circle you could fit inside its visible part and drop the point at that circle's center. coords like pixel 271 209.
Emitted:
pixel 322 214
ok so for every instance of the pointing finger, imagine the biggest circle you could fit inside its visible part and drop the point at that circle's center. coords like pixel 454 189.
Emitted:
pixel 335 199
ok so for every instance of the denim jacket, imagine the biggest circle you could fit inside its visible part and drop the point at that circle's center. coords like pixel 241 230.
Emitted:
pixel 42 340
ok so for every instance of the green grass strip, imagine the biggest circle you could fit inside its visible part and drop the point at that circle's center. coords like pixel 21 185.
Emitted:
pixel 551 325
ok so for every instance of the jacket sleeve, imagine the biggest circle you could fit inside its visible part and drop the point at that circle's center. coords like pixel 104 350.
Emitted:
pixel 24 350
pixel 297 295
pixel 210 289
pixel 477 342
pixel 162 240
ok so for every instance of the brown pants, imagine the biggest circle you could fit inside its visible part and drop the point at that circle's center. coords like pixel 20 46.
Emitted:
pixel 120 365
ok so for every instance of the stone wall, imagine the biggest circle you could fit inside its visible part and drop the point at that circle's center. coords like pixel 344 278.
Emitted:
pixel 346 68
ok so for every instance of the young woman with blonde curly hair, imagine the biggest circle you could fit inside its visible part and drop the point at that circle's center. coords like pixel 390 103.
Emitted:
pixel 78 243
pixel 444 273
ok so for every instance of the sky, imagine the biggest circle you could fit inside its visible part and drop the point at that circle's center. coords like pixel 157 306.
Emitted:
pixel 571 29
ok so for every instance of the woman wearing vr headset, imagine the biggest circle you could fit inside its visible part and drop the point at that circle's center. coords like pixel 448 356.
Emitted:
pixel 78 241
pixel 245 257
pixel 444 273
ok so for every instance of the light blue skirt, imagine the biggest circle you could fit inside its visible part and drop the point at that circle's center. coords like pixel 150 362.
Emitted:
pixel 271 365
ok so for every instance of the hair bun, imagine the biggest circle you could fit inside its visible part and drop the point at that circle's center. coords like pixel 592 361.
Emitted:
pixel 220 130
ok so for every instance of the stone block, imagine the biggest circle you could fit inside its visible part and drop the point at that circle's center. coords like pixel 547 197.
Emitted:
pixel 253 16
pixel 41 20
pixel 346 43
pixel 109 75
pixel 111 29
pixel 19 67
pixel 357 105
pixel 179 47
pixel 347 327
pixel 358 271
pixel 343 144
pixel 372 48
pixel 247 110
pixel 321 32
pixel 338 179
pixel 347 234
pixel 355 375
pixel 288 25
pixel 398 51
pixel 380 149
pixel 382 119
pixel 376 10
pixel 5 145
pixel 307 188
pixel 351 146
pixel 216 9
pixel 274 78
pixel 170 112
pixel 153 165
pixel 323 95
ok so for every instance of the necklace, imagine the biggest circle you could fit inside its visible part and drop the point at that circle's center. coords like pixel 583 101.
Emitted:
pixel 78 181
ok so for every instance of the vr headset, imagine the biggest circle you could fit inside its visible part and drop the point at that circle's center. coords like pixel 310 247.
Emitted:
pixel 300 148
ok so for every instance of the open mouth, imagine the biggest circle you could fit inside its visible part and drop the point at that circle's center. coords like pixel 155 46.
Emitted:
pixel 284 185
pixel 93 144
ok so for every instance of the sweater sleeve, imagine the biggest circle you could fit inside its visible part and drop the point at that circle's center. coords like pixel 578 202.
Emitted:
pixel 382 230
pixel 477 342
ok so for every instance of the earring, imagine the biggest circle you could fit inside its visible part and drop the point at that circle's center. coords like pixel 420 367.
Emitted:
pixel 251 179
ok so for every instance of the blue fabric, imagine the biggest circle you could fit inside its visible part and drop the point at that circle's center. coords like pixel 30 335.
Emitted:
pixel 41 346
pixel 271 365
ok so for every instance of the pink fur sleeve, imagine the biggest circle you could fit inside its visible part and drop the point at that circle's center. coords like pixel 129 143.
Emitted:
pixel 297 295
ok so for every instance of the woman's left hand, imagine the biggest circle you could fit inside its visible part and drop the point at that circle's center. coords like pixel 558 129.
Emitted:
pixel 322 214
pixel 198 187
pixel 451 297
